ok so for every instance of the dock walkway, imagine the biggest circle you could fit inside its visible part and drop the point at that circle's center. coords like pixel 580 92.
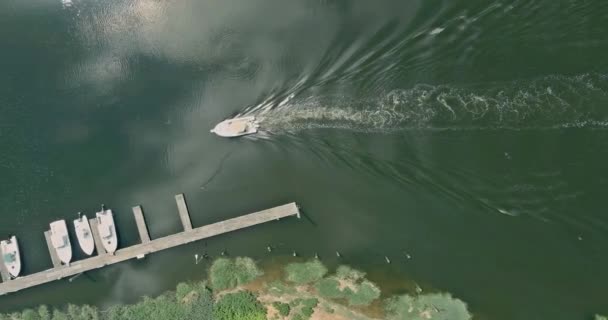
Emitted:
pixel 150 246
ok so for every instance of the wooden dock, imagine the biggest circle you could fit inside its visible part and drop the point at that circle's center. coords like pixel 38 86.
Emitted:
pixel 3 270
pixel 184 215
pixel 144 236
pixel 54 257
pixel 148 246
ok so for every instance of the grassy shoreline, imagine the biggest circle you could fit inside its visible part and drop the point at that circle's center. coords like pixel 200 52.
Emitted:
pixel 238 289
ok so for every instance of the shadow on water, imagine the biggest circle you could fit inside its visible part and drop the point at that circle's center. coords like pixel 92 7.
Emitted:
pixel 306 216
pixel 218 170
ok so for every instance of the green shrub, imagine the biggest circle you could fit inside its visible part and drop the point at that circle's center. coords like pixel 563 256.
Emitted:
pixel 436 305
pixel 310 303
pixel 308 306
pixel 182 290
pixel 282 308
pixel 360 292
pixel 58 315
pixel 227 273
pixel 348 273
pixel 305 272
pixel 367 293
pixel 189 302
pixel 329 288
pixel 241 305
pixel 599 317
pixel 44 313
pixel 29 314
pixel 82 313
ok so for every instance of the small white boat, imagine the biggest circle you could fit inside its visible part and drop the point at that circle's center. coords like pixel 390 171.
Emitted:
pixel 61 241
pixel 236 127
pixel 107 230
pixel 10 256
pixel 84 235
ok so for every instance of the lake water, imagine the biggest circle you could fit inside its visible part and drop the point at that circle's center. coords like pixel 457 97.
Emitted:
pixel 471 135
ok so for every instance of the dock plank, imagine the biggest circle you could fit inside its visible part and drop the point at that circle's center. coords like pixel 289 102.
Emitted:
pixel 155 245
pixel 54 258
pixel 98 244
pixel 3 270
pixel 141 224
pixel 184 215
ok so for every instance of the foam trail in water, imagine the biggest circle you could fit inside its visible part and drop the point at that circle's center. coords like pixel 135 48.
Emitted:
pixel 545 103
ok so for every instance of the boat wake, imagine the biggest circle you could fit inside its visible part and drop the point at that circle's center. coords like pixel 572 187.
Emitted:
pixel 546 103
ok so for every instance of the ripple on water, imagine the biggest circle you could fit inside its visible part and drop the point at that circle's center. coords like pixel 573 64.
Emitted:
pixel 545 103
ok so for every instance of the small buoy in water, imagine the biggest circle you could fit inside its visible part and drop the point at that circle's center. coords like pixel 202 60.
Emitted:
pixel 269 249
pixel 387 259
pixel 294 254
pixel 224 252
pixel 580 238
pixel 407 255
pixel 508 156
pixel 338 254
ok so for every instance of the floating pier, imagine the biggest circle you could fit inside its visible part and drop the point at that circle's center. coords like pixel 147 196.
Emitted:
pixel 54 257
pixel 147 245
pixel 141 224
pixel 96 237
pixel 4 274
pixel 184 215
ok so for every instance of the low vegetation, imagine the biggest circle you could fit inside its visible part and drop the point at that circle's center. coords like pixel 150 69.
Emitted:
pixel 241 305
pixel 305 272
pixel 282 308
pixel 436 306
pixel 229 273
pixel 226 296
pixel 349 284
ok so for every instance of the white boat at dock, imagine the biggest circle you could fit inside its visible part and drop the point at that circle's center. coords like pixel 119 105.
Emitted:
pixel 61 241
pixel 10 256
pixel 107 230
pixel 84 234
pixel 236 127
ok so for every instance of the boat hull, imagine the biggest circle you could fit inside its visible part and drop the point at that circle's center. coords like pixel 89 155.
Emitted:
pixel 84 235
pixel 11 256
pixel 236 127
pixel 61 241
pixel 107 230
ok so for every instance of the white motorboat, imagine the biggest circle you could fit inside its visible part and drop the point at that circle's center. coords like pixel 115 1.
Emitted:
pixel 107 230
pixel 84 235
pixel 10 256
pixel 61 241
pixel 236 127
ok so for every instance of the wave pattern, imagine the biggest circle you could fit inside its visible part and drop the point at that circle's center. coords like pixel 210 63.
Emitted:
pixel 548 102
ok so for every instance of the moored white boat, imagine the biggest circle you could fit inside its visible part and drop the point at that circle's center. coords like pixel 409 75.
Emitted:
pixel 61 241
pixel 84 235
pixel 107 230
pixel 10 256
pixel 236 127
